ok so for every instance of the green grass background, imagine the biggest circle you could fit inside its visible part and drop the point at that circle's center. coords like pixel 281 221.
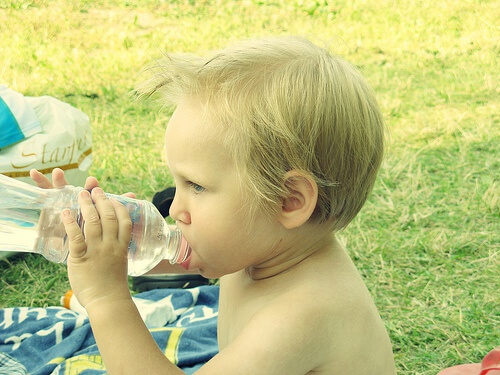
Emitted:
pixel 427 242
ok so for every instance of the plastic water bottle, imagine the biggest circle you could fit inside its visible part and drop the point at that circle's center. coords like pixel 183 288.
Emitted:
pixel 30 221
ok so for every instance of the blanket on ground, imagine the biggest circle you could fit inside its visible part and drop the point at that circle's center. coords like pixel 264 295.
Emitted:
pixel 59 341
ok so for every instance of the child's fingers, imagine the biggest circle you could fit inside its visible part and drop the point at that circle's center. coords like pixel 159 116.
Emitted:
pixel 58 178
pixel 107 213
pixel 124 222
pixel 115 218
pixel 90 183
pixel 40 179
pixel 77 245
pixel 93 228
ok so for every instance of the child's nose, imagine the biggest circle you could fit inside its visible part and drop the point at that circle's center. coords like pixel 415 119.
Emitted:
pixel 178 212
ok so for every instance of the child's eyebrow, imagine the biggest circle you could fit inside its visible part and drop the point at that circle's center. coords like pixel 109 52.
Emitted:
pixel 188 174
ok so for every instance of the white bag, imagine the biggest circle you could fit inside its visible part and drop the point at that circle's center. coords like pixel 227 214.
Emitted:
pixel 65 141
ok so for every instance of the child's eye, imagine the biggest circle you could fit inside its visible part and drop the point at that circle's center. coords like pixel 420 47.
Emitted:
pixel 196 188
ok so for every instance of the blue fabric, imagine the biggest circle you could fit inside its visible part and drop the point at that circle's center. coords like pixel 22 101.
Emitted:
pixel 10 132
pixel 58 341
pixel 9 366
pixel 18 119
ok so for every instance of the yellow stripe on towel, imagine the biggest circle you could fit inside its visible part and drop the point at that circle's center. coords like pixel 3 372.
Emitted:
pixel 171 351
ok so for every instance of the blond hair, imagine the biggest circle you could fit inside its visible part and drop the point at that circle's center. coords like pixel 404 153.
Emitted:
pixel 285 104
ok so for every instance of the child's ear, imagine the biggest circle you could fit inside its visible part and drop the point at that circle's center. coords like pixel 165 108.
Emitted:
pixel 300 202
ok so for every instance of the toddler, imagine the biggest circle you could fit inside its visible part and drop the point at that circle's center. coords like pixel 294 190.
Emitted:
pixel 274 147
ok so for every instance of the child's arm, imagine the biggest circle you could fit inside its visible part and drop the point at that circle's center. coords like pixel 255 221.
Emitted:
pixel 124 341
pixel 97 270
pixel 276 341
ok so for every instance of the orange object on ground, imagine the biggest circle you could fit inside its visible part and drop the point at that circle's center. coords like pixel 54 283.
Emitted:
pixel 489 366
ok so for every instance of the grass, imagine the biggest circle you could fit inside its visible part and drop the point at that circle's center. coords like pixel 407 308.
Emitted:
pixel 427 242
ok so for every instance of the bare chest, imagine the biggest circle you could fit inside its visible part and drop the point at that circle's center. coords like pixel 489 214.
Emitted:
pixel 237 305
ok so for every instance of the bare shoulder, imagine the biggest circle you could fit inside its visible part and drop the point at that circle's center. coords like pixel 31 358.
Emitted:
pixel 348 323
pixel 318 318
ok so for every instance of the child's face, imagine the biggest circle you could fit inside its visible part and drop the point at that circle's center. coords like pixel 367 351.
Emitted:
pixel 208 203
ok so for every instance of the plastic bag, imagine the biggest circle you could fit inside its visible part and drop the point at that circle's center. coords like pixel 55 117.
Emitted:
pixel 64 140
pixel 17 119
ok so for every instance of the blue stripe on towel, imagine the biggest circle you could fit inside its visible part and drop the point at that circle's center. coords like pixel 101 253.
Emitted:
pixel 55 340
pixel 10 132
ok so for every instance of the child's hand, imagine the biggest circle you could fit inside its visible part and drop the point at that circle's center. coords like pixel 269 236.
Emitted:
pixel 97 261
pixel 58 180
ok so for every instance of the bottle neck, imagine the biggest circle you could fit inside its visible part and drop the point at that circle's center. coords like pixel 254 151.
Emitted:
pixel 178 249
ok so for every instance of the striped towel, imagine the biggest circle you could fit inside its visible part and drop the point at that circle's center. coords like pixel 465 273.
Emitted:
pixel 55 340
pixel 18 120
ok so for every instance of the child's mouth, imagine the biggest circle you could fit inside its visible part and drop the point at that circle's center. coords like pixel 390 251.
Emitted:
pixel 184 257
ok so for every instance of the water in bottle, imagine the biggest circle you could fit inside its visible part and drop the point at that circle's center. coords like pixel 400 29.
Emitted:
pixel 30 221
